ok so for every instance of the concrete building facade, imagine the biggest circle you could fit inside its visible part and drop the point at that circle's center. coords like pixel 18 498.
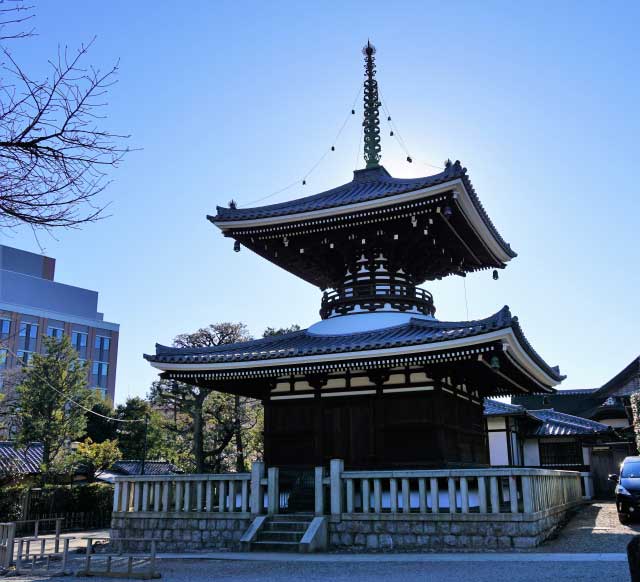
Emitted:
pixel 33 305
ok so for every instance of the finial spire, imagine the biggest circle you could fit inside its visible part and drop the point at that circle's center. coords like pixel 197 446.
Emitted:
pixel 371 121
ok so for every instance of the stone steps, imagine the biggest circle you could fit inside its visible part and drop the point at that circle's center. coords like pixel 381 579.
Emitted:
pixel 281 533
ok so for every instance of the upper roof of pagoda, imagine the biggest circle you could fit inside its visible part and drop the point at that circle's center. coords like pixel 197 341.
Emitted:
pixel 444 210
pixel 368 185
pixel 419 339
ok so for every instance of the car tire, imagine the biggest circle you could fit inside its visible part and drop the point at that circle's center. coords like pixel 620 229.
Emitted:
pixel 624 519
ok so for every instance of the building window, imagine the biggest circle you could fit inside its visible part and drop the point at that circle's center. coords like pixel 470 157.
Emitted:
pixel 3 358
pixel 101 348
pixel 28 338
pixel 558 454
pixel 79 342
pixel 5 328
pixel 56 332
pixel 99 373
pixel 24 357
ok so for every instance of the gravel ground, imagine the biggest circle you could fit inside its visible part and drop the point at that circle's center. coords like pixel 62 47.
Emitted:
pixel 462 571
pixel 594 528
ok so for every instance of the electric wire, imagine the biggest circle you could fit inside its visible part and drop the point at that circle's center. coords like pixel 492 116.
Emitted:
pixel 330 149
pixel 71 401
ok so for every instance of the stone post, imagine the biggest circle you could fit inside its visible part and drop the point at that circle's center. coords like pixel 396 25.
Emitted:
pixel 273 490
pixel 336 467
pixel 256 497
pixel 319 491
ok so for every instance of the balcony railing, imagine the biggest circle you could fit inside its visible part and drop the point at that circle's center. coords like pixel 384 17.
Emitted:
pixel 375 296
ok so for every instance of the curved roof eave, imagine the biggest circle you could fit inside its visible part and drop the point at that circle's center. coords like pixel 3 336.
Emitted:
pixel 387 190
pixel 507 331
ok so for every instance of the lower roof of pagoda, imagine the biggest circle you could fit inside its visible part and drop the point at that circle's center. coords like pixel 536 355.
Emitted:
pixel 419 340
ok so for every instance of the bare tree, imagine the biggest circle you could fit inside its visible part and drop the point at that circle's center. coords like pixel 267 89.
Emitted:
pixel 54 152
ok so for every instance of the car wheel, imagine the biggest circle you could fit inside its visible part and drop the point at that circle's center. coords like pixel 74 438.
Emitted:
pixel 624 519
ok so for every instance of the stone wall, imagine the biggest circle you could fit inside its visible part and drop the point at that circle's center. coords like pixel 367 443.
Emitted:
pixel 442 532
pixel 180 532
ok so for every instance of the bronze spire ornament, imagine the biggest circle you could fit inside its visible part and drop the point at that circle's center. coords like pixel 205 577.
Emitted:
pixel 371 120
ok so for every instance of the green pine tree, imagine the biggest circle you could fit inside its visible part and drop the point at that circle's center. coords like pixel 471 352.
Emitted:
pixel 50 400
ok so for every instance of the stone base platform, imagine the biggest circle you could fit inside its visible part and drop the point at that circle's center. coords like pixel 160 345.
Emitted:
pixel 181 532
pixel 443 532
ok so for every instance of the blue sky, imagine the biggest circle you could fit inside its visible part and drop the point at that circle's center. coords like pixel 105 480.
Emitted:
pixel 238 99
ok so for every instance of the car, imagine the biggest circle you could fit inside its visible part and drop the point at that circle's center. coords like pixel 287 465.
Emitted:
pixel 627 489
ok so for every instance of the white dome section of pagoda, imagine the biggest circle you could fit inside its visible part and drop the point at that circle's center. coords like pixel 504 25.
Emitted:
pixel 359 322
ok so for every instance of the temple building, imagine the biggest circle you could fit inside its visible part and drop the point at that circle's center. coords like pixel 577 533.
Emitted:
pixel 379 381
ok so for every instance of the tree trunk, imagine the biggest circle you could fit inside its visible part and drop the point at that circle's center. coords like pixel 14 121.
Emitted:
pixel 240 466
pixel 198 434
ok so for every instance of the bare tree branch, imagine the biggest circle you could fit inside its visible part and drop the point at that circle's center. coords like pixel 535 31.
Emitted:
pixel 54 153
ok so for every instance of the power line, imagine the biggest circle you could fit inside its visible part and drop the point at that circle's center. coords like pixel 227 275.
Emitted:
pixel 394 132
pixel 71 401
pixel 330 149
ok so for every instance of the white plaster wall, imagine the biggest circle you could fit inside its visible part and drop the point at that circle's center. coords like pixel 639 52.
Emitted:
pixel 586 455
pixel 498 450
pixel 531 453
pixel 496 423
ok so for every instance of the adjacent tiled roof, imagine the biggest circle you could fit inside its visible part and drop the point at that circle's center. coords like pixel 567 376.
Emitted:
pixel 550 422
pixel 496 408
pixel 150 468
pixel 20 461
pixel 372 184
pixel 561 424
pixel 303 343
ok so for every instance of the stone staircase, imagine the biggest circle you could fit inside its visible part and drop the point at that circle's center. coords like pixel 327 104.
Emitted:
pixel 282 533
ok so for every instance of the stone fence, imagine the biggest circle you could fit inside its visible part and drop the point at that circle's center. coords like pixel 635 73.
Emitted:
pixel 366 510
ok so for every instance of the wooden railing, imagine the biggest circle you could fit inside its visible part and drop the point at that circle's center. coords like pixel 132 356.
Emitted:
pixel 483 491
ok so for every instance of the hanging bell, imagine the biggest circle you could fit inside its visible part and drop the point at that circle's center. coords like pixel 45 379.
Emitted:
pixel 353 112
pixel 409 159
pixel 236 246
pixel 391 133
pixel 333 148
pixel 495 363
pixel 304 182
pixel 447 212
pixel 389 118
pixel 495 275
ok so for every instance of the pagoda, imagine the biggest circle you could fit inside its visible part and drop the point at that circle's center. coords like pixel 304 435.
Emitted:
pixel 379 381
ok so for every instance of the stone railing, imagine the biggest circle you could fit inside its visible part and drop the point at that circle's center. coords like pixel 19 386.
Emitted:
pixel 225 493
pixel 479 491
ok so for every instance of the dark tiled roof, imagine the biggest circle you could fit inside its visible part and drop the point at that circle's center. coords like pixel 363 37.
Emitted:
pixel 303 343
pixel 561 424
pixel 372 184
pixel 150 468
pixel 628 378
pixel 23 461
pixel 496 408
pixel 550 422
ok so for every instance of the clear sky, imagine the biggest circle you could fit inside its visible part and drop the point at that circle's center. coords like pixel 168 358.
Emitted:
pixel 237 100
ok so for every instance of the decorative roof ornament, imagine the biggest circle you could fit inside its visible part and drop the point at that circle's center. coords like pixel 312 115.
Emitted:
pixel 371 120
